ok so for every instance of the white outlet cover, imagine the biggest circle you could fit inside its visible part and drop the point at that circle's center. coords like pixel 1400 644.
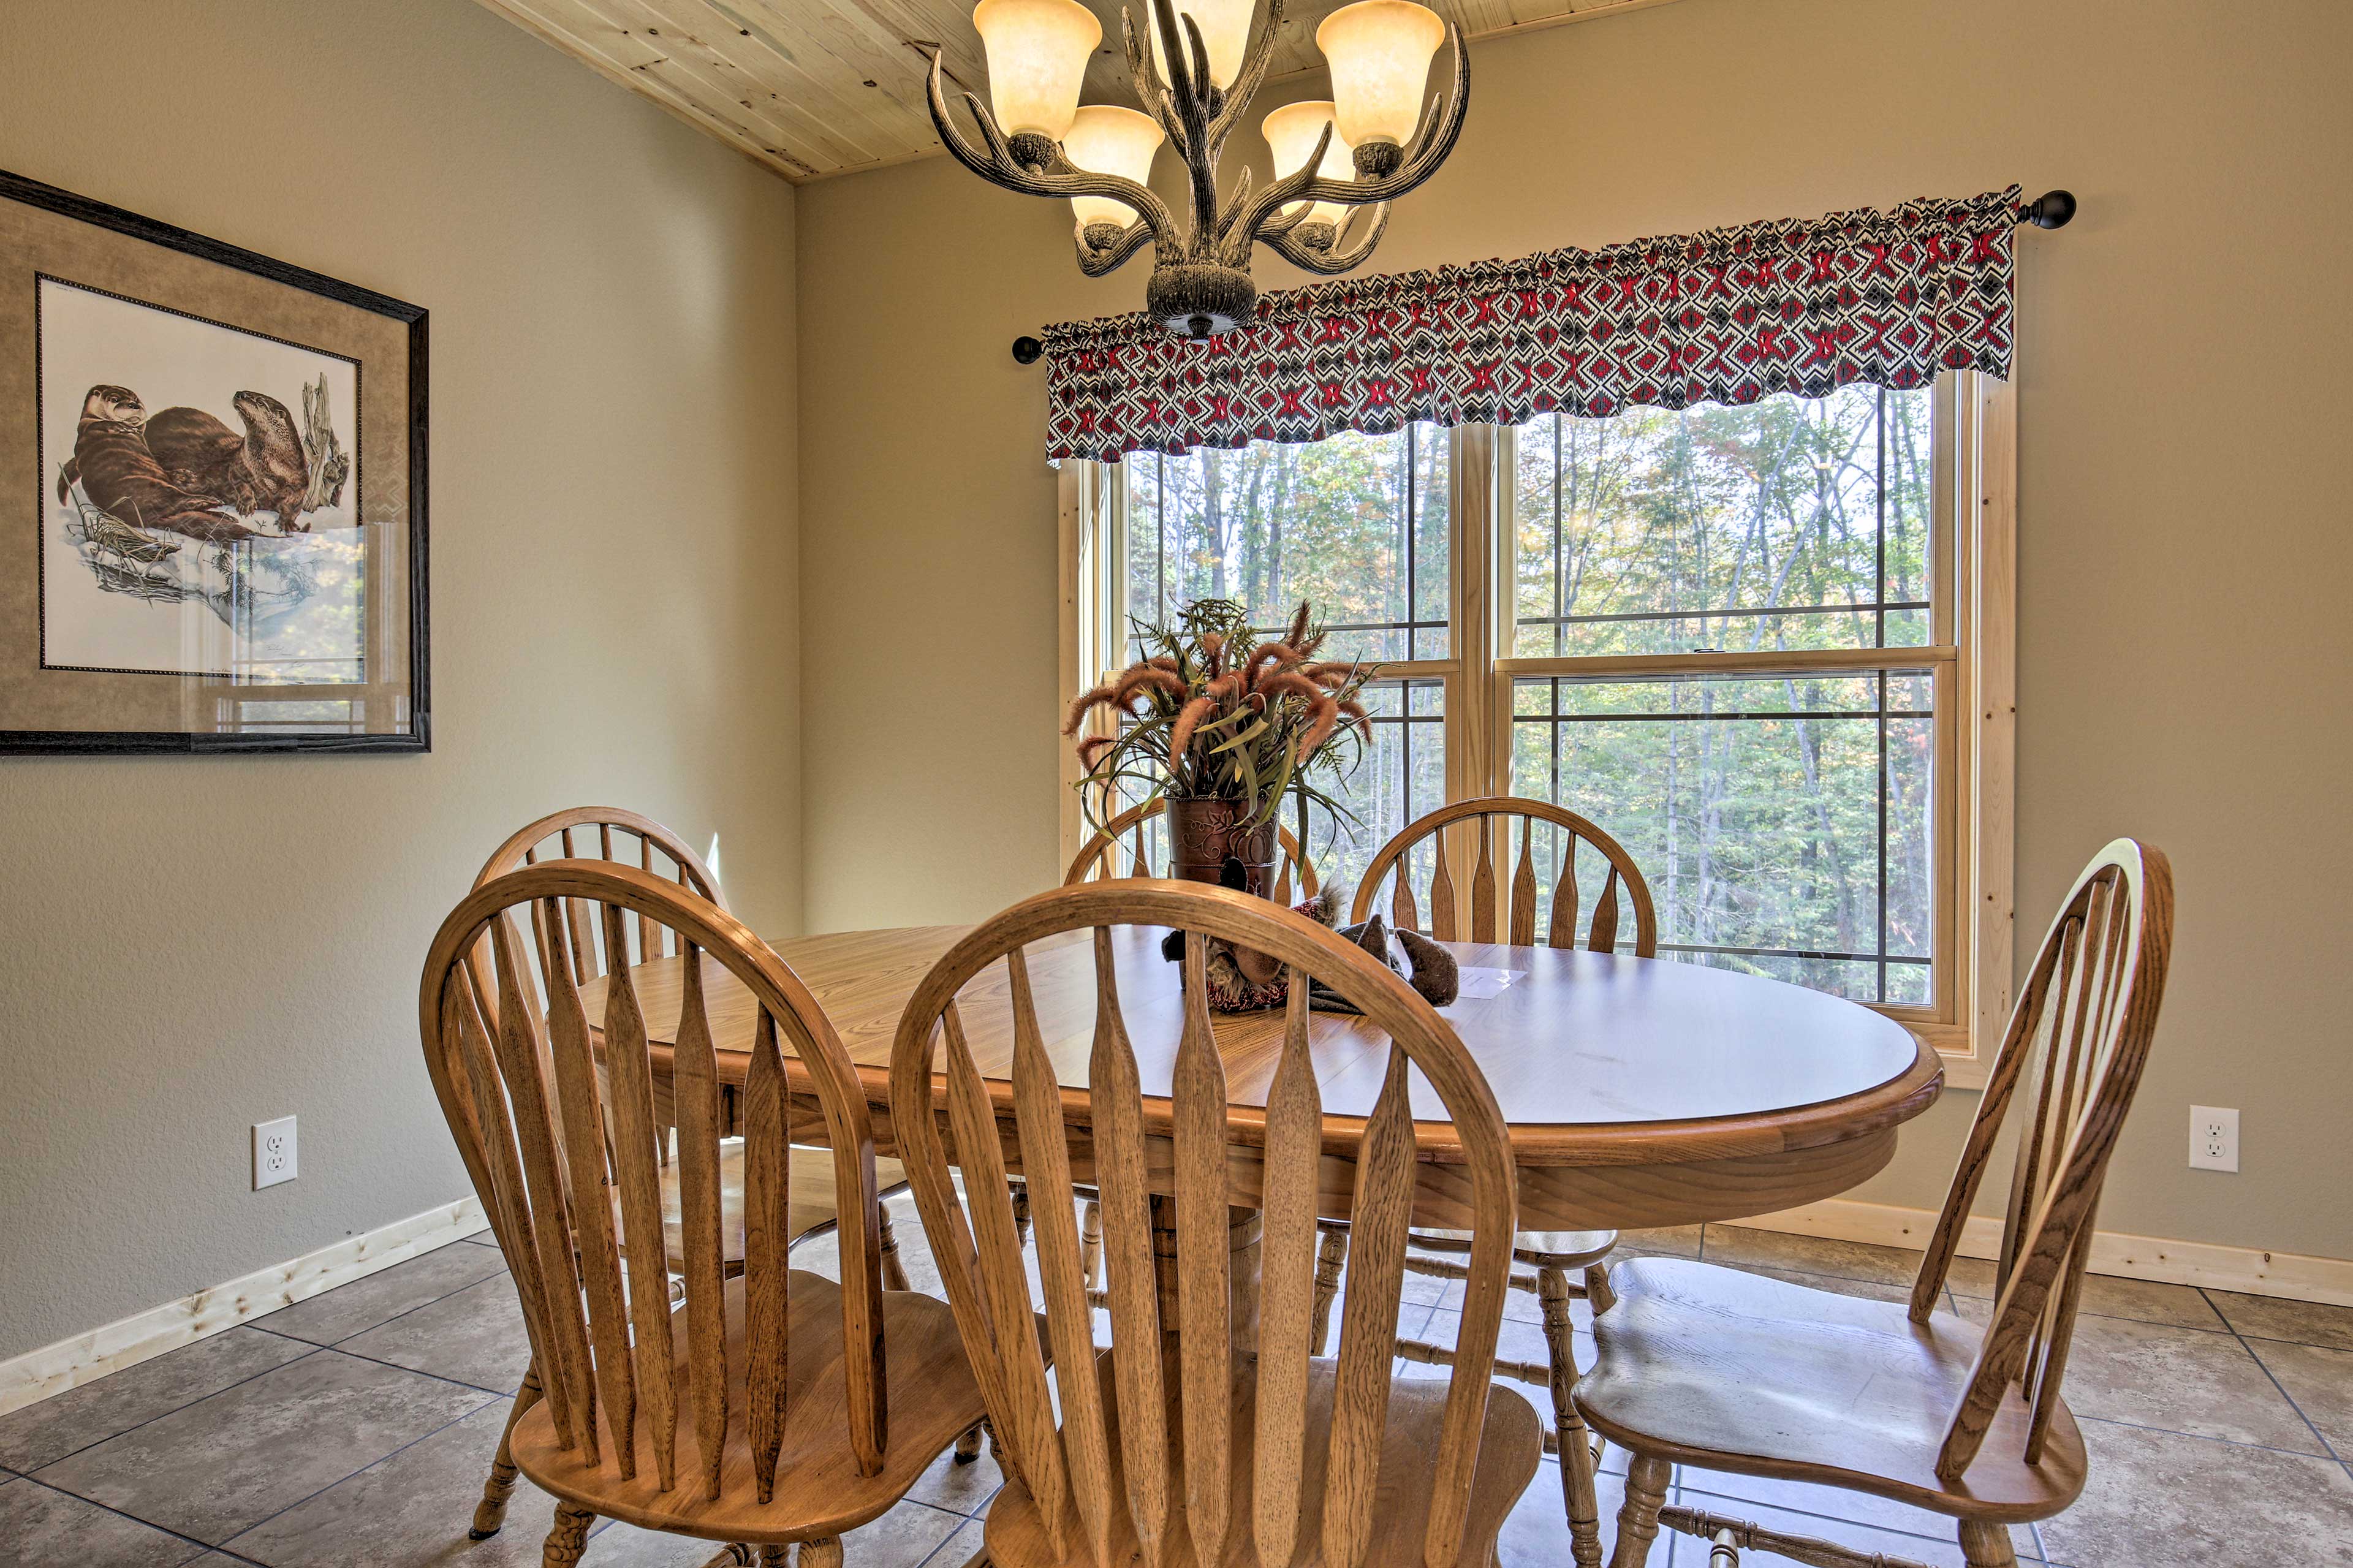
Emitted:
pixel 2213 1138
pixel 273 1152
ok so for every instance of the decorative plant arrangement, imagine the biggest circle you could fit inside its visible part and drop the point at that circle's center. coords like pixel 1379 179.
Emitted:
pixel 1223 726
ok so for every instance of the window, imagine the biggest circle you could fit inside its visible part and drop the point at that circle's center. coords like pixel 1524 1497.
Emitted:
pixel 1756 644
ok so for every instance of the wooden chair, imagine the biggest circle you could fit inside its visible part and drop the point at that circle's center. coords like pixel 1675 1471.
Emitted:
pixel 1551 1257
pixel 1184 1451
pixel 1097 859
pixel 1704 1366
pixel 775 1407
pixel 1097 862
pixel 616 834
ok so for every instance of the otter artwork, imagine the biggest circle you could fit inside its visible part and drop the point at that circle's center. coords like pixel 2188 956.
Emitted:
pixel 186 471
pixel 185 485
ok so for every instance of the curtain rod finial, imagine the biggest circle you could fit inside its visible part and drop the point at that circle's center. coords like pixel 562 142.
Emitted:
pixel 2052 209
pixel 1027 351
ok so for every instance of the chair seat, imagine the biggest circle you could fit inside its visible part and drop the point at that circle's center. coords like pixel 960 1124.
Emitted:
pixel 812 1209
pixel 1510 1445
pixel 1538 1248
pixel 1705 1365
pixel 931 1399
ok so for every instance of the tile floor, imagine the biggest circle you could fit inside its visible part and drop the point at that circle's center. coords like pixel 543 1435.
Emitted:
pixel 355 1429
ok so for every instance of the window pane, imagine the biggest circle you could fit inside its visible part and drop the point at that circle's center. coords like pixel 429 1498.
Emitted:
pixel 1400 775
pixel 1788 523
pixel 1359 525
pixel 1783 824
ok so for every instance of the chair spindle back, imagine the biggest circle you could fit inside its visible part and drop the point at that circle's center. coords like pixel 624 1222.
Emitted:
pixel 1138 1148
pixel 2079 1037
pixel 1493 817
pixel 603 832
pixel 538 1126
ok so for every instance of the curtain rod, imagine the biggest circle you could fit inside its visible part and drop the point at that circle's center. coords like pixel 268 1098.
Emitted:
pixel 2052 209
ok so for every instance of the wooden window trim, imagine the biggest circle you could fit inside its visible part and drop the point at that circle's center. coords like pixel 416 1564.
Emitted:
pixel 1974 661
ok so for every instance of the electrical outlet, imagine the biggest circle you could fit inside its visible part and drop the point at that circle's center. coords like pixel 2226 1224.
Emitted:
pixel 273 1152
pixel 2213 1138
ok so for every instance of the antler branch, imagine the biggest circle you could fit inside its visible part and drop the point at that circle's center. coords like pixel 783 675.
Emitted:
pixel 1255 63
pixel 1095 263
pixel 1441 125
pixel 1284 242
pixel 1061 177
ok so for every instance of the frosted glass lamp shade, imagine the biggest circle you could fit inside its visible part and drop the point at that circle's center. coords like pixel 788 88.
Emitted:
pixel 1291 133
pixel 1038 52
pixel 1225 32
pixel 1379 52
pixel 1108 140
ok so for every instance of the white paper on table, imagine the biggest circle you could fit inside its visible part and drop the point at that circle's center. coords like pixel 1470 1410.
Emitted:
pixel 1477 984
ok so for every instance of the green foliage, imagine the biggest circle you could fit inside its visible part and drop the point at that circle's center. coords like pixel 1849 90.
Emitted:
pixel 1760 809
pixel 1212 711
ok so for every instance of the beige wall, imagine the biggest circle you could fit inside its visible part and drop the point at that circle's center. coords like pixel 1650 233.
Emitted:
pixel 191 945
pixel 2184 660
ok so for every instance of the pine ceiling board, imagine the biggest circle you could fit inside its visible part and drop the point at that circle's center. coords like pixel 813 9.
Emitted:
pixel 929 25
pixel 813 87
pixel 611 53
pixel 846 33
pixel 692 65
pixel 823 86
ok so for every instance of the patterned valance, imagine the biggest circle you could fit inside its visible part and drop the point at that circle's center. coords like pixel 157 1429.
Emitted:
pixel 1731 315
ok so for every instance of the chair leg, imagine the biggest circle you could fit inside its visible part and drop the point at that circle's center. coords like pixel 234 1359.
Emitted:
pixel 1331 1253
pixel 894 1273
pixel 1091 1243
pixel 1577 1461
pixel 1987 1545
pixel 1021 1213
pixel 491 1511
pixel 569 1539
pixel 821 1553
pixel 736 1555
pixel 1597 1288
pixel 1638 1521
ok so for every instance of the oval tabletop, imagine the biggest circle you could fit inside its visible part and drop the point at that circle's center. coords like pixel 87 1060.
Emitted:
pixel 1638 1091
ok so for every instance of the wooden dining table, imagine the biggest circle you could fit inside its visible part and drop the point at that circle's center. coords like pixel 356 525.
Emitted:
pixel 1638 1091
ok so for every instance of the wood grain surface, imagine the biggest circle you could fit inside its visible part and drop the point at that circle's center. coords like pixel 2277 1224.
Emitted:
pixel 1637 1091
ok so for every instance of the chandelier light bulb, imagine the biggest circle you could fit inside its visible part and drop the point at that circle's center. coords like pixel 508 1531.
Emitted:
pixel 1038 53
pixel 1379 52
pixel 1224 33
pixel 1290 133
pixel 1109 139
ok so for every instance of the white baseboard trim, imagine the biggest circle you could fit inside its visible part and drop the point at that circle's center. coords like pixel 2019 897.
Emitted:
pixel 2251 1270
pixel 36 1374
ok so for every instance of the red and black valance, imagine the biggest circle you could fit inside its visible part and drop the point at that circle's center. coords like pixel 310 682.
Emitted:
pixel 1731 315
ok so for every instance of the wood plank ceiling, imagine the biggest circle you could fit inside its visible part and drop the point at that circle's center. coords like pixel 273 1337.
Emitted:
pixel 814 87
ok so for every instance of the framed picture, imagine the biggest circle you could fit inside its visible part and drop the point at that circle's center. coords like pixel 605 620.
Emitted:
pixel 212 494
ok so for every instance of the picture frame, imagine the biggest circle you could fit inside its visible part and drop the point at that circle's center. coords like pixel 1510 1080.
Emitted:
pixel 188 563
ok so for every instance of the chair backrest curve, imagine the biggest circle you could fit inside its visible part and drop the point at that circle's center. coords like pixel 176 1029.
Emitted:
pixel 541 1111
pixel 1486 819
pixel 1168 1155
pixel 2078 1040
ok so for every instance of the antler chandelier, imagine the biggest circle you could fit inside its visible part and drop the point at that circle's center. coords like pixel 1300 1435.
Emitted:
pixel 1358 149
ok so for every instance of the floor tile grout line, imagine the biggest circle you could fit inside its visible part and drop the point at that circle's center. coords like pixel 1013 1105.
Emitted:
pixel 2313 1427
pixel 420 1372
pixel 2202 1437
pixel 191 1404
pixel 119 1513
pixel 329 1344
pixel 372 1464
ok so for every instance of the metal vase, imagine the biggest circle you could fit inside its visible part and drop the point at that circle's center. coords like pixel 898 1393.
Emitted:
pixel 1210 841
